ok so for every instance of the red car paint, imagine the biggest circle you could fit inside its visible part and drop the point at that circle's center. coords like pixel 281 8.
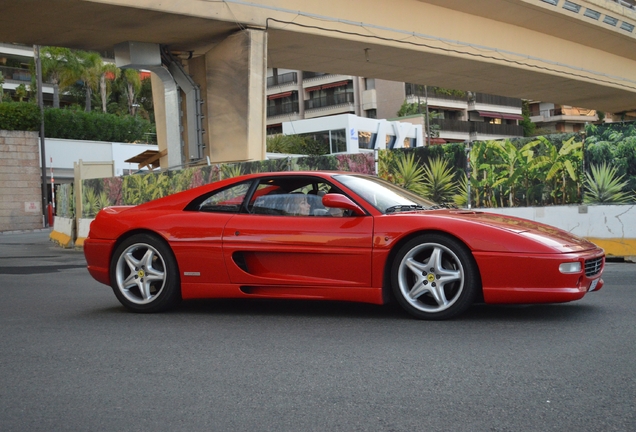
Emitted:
pixel 246 255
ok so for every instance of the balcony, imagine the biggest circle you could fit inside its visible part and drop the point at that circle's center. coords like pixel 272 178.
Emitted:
pixel 486 99
pixel 284 109
pixel 563 114
pixel 496 129
pixel 431 93
pixel 460 128
pixel 452 125
pixel 286 78
pixel 313 81
pixel 309 75
pixel 329 100
pixel 341 103
pixel 16 74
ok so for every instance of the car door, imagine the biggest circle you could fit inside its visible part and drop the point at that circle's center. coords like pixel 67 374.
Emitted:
pixel 287 248
pixel 298 250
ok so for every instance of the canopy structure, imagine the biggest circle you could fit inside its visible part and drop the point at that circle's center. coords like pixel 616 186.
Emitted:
pixel 148 158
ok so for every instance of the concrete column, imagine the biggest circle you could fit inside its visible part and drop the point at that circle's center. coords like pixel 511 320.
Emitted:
pixel 236 79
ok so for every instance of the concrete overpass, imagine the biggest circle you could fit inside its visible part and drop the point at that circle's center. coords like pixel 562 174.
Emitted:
pixel 573 52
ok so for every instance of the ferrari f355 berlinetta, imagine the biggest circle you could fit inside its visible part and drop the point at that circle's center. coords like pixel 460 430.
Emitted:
pixel 332 236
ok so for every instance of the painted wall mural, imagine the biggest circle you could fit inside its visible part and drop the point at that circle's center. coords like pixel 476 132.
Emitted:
pixel 598 166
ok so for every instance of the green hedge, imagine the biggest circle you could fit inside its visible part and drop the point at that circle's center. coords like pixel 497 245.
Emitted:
pixel 22 116
pixel 94 126
pixel 73 124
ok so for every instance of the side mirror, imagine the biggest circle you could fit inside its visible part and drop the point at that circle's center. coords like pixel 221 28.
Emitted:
pixel 340 201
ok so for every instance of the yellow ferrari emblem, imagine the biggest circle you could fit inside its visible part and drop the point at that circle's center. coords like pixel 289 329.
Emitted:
pixel 430 277
pixel 140 273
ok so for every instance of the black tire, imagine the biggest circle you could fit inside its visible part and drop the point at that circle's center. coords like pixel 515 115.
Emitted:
pixel 434 277
pixel 144 274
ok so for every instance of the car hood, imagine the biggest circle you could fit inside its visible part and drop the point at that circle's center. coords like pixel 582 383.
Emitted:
pixel 545 234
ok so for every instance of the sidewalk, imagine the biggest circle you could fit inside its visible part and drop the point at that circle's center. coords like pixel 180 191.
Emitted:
pixel 34 249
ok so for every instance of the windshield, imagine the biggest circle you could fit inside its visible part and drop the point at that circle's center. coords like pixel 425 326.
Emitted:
pixel 385 196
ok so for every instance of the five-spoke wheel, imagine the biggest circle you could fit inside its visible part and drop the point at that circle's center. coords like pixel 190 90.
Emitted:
pixel 434 277
pixel 144 274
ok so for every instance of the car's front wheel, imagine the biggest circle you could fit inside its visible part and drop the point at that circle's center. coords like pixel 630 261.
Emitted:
pixel 434 277
pixel 144 274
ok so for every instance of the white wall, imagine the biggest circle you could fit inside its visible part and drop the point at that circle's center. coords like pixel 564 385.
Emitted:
pixel 354 124
pixel 603 221
pixel 61 154
pixel 612 227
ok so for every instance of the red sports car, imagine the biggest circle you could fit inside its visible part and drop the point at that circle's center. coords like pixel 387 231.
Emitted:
pixel 332 236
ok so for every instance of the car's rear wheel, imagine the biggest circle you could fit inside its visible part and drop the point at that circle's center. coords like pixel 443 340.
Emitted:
pixel 434 276
pixel 144 274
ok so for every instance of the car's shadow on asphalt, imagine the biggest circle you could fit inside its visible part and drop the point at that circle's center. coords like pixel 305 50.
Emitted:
pixel 554 312
pixel 332 309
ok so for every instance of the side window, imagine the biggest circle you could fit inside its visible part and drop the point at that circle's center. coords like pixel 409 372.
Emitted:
pixel 227 200
pixel 292 200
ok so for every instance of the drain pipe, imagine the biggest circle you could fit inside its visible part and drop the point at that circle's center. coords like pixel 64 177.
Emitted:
pixel 194 103
pixel 142 55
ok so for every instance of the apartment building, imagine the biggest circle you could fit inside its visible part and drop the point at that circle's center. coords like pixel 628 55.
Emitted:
pixel 453 116
pixel 553 118
pixel 15 61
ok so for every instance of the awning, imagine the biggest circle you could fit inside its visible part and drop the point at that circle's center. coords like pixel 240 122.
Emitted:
pixel 512 116
pixel 489 114
pixel 336 84
pixel 149 158
pixel 442 106
pixel 326 86
pixel 438 141
pixel 279 95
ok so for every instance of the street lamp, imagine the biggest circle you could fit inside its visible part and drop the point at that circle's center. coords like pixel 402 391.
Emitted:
pixel 38 74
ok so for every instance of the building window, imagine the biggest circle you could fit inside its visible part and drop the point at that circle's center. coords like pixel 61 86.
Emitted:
pixel 369 83
pixel 335 140
pixel 366 140
pixel 328 96
pixel 410 142
pixel 282 103
pixel 338 141
pixel 275 129
pixel 372 113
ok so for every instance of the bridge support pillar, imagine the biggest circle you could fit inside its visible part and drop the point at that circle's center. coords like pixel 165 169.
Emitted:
pixel 234 93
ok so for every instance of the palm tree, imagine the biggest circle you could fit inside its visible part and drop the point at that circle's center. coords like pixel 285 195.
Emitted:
pixel 132 85
pixel 108 73
pixel 87 69
pixel 57 66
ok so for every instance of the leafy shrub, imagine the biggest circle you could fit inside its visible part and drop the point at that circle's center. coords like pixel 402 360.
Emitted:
pixel 22 116
pixel 438 181
pixel 603 185
pixel 296 144
pixel 94 126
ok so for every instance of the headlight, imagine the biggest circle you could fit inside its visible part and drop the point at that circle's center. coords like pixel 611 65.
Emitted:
pixel 571 267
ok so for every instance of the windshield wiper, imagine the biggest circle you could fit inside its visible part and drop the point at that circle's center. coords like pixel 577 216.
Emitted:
pixel 404 207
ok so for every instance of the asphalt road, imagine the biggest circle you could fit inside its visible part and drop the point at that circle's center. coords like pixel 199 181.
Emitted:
pixel 71 358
